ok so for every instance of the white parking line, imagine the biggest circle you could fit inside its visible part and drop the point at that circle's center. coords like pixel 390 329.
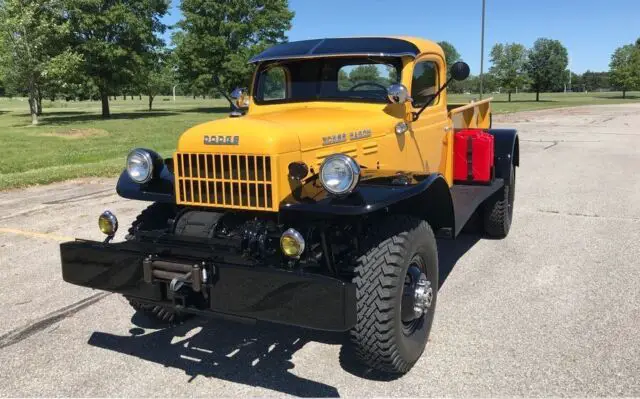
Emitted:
pixel 34 234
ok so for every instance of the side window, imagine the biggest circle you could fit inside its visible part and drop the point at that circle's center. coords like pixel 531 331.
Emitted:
pixel 274 85
pixel 425 82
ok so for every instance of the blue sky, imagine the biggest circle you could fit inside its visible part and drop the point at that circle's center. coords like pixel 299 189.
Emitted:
pixel 590 29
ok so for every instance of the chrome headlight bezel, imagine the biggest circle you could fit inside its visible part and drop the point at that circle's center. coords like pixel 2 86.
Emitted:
pixel 294 235
pixel 351 165
pixel 141 155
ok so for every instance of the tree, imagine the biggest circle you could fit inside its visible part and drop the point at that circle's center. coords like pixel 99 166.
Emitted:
pixel 548 61
pixel 383 75
pixel 64 72
pixel 115 38
pixel 451 55
pixel 343 80
pixel 364 73
pixel 34 35
pixel 219 37
pixel 625 68
pixel 577 82
pixel 3 89
pixel 158 75
pixel 595 80
pixel 508 66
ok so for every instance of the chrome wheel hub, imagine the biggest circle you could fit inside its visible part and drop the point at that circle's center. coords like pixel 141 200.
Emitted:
pixel 418 296
pixel 423 296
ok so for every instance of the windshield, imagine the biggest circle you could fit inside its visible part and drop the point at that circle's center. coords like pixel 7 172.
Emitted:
pixel 361 79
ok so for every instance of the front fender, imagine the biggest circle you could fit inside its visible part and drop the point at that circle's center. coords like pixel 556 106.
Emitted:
pixel 425 196
pixel 158 189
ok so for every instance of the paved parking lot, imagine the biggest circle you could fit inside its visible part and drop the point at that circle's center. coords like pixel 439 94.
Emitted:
pixel 552 310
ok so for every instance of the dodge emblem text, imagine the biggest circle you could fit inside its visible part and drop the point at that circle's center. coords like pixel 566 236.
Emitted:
pixel 222 140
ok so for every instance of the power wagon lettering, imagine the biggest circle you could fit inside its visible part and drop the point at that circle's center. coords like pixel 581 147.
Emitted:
pixel 342 137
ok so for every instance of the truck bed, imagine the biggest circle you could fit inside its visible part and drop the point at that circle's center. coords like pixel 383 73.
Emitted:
pixel 476 114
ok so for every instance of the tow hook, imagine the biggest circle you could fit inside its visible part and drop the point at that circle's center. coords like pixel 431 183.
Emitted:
pixel 178 282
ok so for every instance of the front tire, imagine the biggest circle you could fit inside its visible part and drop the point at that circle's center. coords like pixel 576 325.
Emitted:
pixel 157 313
pixel 397 273
pixel 154 217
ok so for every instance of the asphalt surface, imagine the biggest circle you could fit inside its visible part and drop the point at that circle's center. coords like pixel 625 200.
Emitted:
pixel 552 310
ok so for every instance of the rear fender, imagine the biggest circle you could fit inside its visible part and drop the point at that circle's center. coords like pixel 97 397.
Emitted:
pixel 507 151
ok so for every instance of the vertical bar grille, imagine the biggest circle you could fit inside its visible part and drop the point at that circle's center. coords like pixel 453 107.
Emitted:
pixel 224 180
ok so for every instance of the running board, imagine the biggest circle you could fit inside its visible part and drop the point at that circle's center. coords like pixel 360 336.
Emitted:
pixel 466 199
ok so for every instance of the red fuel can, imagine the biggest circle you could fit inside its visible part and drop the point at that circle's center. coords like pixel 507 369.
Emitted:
pixel 473 156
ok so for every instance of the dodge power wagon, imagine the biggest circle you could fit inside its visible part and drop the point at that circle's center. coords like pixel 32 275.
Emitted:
pixel 317 202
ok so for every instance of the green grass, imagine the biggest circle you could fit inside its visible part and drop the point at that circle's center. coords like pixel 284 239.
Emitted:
pixel 73 141
pixel 526 101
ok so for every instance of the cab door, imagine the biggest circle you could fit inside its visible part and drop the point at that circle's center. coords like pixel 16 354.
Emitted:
pixel 432 131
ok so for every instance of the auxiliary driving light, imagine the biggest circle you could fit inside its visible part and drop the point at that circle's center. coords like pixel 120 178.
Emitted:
pixel 108 224
pixel 292 243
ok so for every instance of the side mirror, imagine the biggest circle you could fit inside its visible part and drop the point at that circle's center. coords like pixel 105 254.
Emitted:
pixel 398 94
pixel 239 97
pixel 460 70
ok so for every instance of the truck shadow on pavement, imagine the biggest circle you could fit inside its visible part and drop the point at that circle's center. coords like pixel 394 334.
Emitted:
pixel 450 251
pixel 257 354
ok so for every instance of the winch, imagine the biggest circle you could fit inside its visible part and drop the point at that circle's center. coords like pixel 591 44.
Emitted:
pixel 178 274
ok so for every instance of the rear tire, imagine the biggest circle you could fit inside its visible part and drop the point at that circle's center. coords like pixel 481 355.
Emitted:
pixel 400 252
pixel 498 209
pixel 154 217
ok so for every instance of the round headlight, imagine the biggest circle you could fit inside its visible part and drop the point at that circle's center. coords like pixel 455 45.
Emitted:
pixel 339 174
pixel 140 166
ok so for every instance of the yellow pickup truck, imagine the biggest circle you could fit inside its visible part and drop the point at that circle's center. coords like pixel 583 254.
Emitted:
pixel 317 202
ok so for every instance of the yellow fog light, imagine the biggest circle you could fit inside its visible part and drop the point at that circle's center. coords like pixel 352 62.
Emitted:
pixel 108 223
pixel 292 243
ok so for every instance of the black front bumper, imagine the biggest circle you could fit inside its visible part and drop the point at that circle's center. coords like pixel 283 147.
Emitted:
pixel 260 293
